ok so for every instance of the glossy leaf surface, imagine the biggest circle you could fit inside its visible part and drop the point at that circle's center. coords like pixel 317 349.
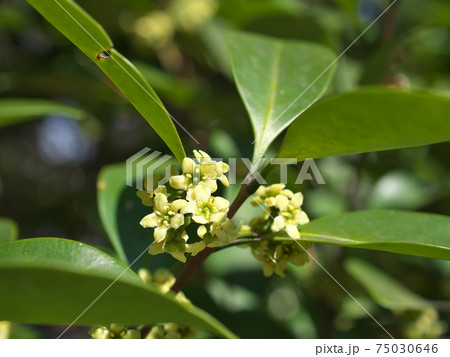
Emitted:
pixel 365 120
pixel 421 234
pixel 52 281
pixel 277 81
pixel 92 39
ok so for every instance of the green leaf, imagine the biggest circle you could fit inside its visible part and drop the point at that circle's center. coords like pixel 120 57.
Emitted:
pixel 370 119
pixel 52 281
pixel 90 38
pixel 18 110
pixel 8 230
pixel 421 234
pixel 121 211
pixel 385 290
pixel 277 81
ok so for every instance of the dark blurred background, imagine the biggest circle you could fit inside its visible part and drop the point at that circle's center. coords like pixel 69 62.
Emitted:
pixel 48 167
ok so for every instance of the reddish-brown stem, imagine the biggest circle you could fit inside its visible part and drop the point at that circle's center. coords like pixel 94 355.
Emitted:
pixel 191 267
pixel 238 201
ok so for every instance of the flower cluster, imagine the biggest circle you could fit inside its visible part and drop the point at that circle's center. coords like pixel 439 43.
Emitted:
pixel 170 331
pixel 275 255
pixel 163 280
pixel 282 209
pixel 422 324
pixel 188 200
pixel 113 331
pixel 283 215
pixel 157 28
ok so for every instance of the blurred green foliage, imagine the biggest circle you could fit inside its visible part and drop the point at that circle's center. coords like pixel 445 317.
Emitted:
pixel 48 167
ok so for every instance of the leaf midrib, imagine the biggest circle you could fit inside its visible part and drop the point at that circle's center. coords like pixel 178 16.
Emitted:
pixel 275 75
pixel 358 243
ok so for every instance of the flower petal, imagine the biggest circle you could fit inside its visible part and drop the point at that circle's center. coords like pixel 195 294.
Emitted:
pixel 287 193
pixel 189 207
pixel 221 203
pixel 270 201
pixel 179 256
pixel 282 202
pixel 176 221
pixel 176 205
pixel 179 182
pixel 212 184
pixel 224 180
pixel 199 219
pixel 202 192
pixel 156 248
pixel 275 189
pixel 297 200
pixel 299 259
pixel 161 202
pixel 196 247
pixel 150 220
pixel 292 230
pixel 201 231
pixel 302 217
pixel 188 166
pixel 147 199
pixel 278 252
pixel 208 169
pixel 267 269
pixel 190 194
pixel 278 224
pixel 160 233
pixel 256 201
pixel 261 191
pixel 218 217
pixel 161 189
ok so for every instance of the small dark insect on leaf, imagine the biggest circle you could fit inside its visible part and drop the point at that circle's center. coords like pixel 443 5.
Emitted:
pixel 103 55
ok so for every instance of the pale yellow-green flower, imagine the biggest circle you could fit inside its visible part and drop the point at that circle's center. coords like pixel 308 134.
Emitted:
pixel 225 232
pixel 422 324
pixel 163 279
pixel 113 331
pixel 174 244
pixel 164 217
pixel 276 255
pixel 290 215
pixel 206 171
pixel 147 197
pixel 195 248
pixel 204 207
pixel 215 234
pixel 266 194
pixel 155 29
pixel 189 15
pixel 170 331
